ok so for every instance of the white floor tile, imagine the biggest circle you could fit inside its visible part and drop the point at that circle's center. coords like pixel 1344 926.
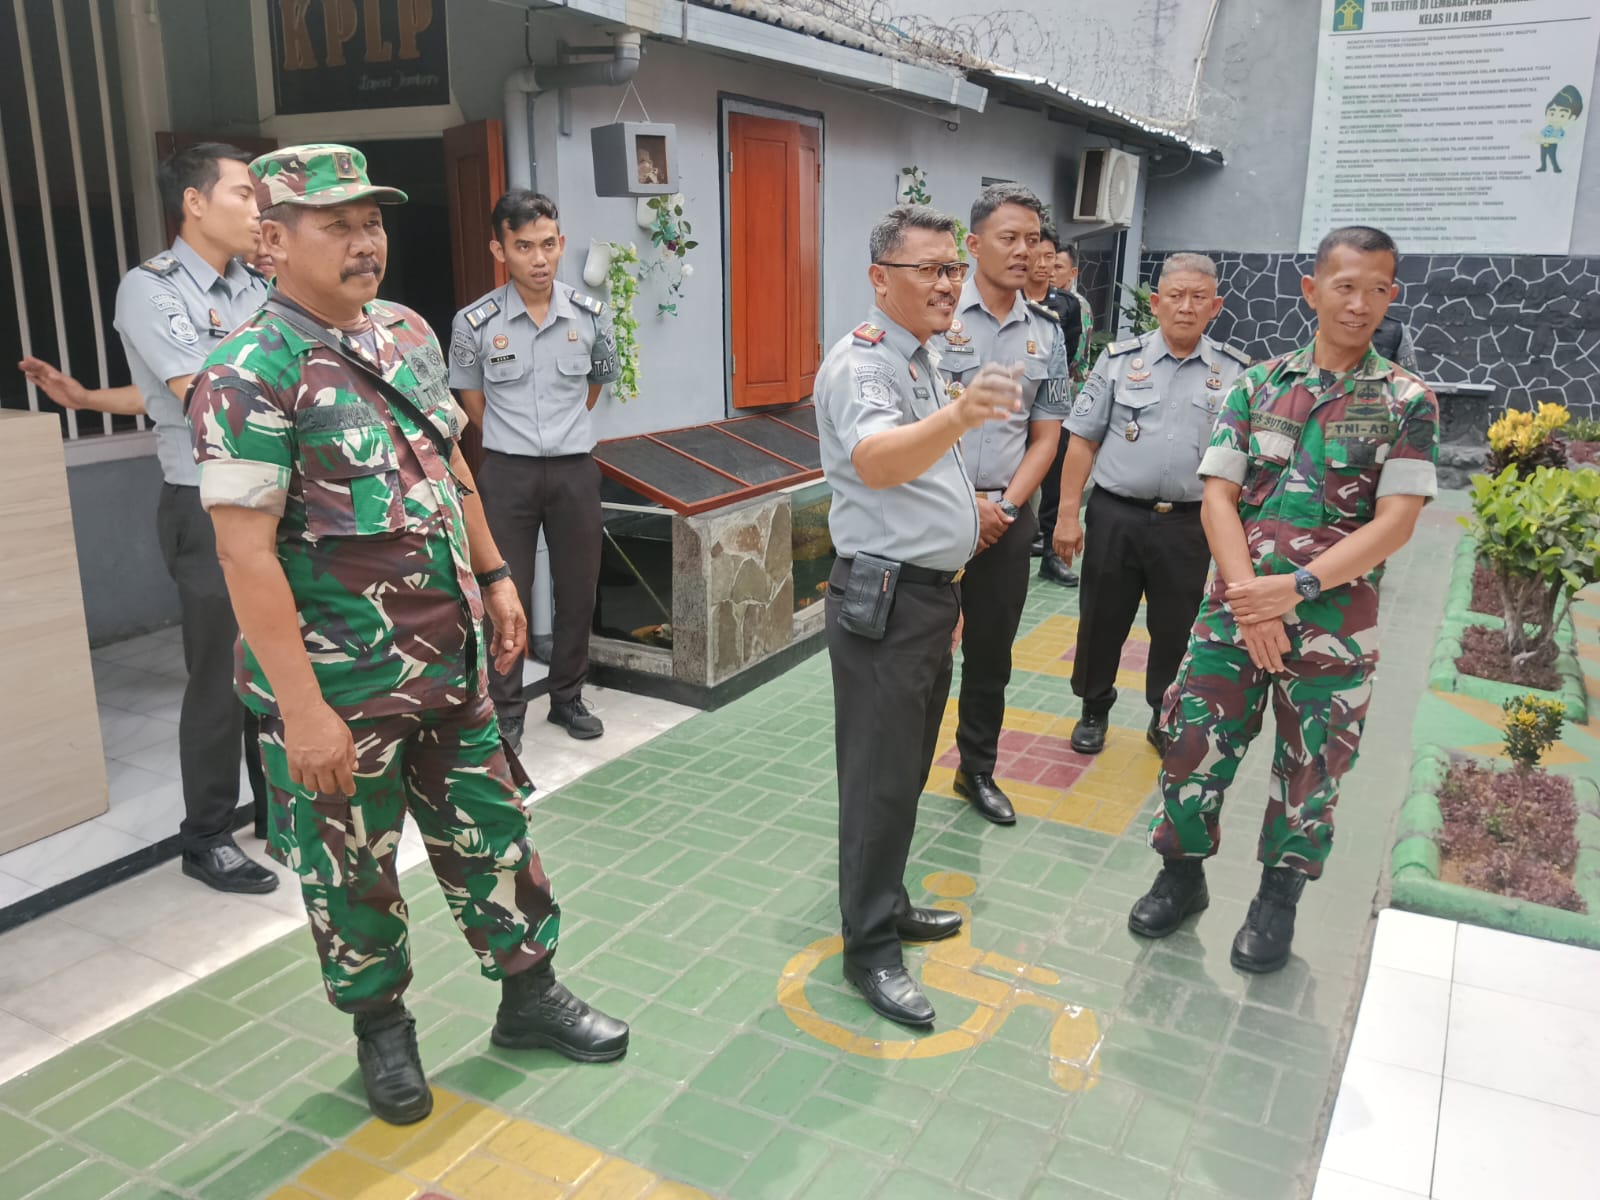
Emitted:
pixel 533 670
pixel 1402 1020
pixel 1333 1185
pixel 1526 1047
pixel 1413 942
pixel 35 951
pixel 151 816
pixel 124 738
pixel 1383 1125
pixel 204 938
pixel 14 890
pixel 96 993
pixel 1531 967
pixel 68 854
pixel 125 910
pixel 160 757
pixel 1493 1146
pixel 24 1046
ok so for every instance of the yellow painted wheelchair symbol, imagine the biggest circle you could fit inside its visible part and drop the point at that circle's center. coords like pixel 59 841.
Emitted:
pixel 952 966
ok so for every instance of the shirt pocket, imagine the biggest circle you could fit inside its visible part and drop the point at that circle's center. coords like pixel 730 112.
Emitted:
pixel 1350 482
pixel 572 365
pixel 1265 467
pixel 351 475
pixel 510 369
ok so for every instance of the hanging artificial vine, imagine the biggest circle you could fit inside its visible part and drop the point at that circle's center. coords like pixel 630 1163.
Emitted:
pixel 669 232
pixel 914 190
pixel 622 279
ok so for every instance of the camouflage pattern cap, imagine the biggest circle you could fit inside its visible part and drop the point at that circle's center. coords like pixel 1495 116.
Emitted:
pixel 319 176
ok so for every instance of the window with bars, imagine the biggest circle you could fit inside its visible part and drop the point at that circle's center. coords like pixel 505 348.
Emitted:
pixel 68 215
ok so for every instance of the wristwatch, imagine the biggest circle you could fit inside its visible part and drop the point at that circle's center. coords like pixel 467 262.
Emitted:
pixel 503 571
pixel 1005 506
pixel 1307 584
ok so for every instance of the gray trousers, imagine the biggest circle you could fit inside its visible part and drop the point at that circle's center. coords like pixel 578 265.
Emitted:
pixel 522 495
pixel 214 727
pixel 888 700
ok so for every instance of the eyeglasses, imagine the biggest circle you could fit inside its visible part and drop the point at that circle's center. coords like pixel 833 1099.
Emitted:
pixel 929 272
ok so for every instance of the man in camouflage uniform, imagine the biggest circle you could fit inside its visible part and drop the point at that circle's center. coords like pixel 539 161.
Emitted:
pixel 350 538
pixel 1319 465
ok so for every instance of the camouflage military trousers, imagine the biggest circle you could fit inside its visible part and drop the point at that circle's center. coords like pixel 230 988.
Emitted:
pixel 447 768
pixel 1213 711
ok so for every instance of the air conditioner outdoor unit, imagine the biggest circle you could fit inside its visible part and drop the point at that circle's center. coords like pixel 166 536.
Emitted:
pixel 1107 182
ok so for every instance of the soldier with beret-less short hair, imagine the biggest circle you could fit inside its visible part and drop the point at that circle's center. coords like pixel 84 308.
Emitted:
pixel 904 521
pixel 529 360
pixel 360 564
pixel 1141 423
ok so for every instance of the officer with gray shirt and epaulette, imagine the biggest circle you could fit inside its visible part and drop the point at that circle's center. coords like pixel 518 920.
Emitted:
pixel 1142 422
pixel 1006 461
pixel 529 360
pixel 171 312
pixel 904 522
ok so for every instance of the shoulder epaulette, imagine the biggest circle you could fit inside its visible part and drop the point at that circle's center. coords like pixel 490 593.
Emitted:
pixel 161 264
pixel 1045 311
pixel 868 334
pixel 1235 353
pixel 477 316
pixel 1126 346
pixel 587 303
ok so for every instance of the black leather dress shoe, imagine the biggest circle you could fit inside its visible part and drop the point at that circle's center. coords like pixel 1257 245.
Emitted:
pixel 538 1011
pixel 928 925
pixel 1055 569
pixel 576 717
pixel 511 730
pixel 1157 736
pixel 1179 890
pixel 892 993
pixel 1037 546
pixel 1263 940
pixel 391 1068
pixel 992 804
pixel 1089 735
pixel 227 868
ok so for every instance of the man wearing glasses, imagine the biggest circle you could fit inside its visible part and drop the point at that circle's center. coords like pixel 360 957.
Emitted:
pixel 904 521
pixel 1006 461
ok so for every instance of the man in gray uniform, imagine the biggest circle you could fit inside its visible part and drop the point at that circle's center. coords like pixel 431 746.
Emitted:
pixel 529 360
pixel 171 312
pixel 1141 423
pixel 1005 460
pixel 904 521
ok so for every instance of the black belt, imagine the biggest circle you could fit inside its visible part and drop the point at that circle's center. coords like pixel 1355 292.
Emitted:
pixel 1157 506
pixel 911 573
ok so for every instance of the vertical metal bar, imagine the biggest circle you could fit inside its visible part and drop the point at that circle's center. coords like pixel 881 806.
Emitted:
pixel 41 172
pixel 75 144
pixel 15 249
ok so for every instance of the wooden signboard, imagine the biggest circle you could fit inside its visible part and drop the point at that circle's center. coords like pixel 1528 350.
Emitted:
pixel 339 55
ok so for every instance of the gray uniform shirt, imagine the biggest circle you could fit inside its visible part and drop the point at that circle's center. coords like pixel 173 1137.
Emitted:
pixel 1152 414
pixel 1029 336
pixel 171 312
pixel 874 379
pixel 534 378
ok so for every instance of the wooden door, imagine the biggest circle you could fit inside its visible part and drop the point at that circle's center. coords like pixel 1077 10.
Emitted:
pixel 475 178
pixel 168 144
pixel 774 245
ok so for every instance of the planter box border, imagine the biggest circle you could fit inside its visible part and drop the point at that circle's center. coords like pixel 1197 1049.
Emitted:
pixel 1414 865
pixel 1458 617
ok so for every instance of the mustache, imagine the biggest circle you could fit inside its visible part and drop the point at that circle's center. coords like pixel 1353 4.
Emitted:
pixel 366 265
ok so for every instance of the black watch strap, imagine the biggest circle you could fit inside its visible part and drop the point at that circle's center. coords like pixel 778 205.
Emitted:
pixel 503 571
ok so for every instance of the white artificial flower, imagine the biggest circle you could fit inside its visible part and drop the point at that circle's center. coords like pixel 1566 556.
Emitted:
pixel 687 270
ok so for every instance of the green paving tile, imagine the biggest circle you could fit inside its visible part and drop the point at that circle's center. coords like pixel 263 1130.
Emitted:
pixel 847 1175
pixel 203 1015
pixel 289 1058
pixel 280 1159
pixel 791 1078
pixel 1240 1087
pixel 249 1043
pixel 871 1090
pixel 1008 1159
pixel 718 1122
pixel 913 1185
pixel 872 1131
pixel 665 1059
pixel 625 1111
pixel 1158 1132
pixel 35 1170
pixel 180 1105
pixel 736 1066
pixel 47 1081
pixel 128 1138
pixel 1236 1178
pixel 156 1042
pixel 224 1145
pixel 1109 1173
pixel 95 1096
pixel 18 1138
pixel 92 1181
pixel 328 1114
pixel 1102 1112
pixel 781 1168
pixel 254 969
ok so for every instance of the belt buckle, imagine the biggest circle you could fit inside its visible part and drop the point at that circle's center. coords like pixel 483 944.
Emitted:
pixel 956 578
pixel 1163 506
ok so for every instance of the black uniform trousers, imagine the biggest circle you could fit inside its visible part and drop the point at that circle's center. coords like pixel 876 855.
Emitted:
pixel 1050 491
pixel 522 494
pixel 1132 552
pixel 993 592
pixel 214 728
pixel 888 700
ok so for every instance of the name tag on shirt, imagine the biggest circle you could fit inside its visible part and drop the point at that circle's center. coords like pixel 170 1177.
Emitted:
pixel 500 358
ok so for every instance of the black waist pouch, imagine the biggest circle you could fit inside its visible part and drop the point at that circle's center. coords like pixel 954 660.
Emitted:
pixel 868 596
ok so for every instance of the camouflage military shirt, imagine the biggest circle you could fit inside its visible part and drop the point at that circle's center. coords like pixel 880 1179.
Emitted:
pixel 1314 455
pixel 1083 356
pixel 371 533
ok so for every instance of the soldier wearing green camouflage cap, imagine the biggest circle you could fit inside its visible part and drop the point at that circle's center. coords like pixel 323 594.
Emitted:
pixel 1319 464
pixel 360 565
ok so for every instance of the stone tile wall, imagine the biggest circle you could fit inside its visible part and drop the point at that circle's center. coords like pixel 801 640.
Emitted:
pixel 1530 325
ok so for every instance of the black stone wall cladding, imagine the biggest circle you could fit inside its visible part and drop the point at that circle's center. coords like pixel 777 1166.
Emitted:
pixel 1528 324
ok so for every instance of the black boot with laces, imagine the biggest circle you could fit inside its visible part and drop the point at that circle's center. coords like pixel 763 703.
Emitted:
pixel 1263 941
pixel 536 1010
pixel 391 1068
pixel 1180 889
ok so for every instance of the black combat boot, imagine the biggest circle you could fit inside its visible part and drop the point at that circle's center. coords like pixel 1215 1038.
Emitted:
pixel 1263 941
pixel 537 1011
pixel 1179 889
pixel 391 1068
